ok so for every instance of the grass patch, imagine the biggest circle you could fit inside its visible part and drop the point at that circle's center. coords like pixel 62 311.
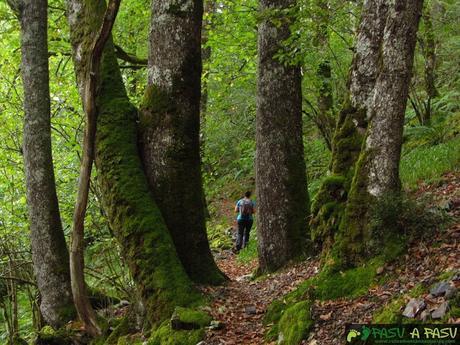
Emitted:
pixel 429 163
pixel 249 253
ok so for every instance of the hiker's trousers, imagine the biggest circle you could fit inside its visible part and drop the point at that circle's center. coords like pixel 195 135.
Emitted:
pixel 244 227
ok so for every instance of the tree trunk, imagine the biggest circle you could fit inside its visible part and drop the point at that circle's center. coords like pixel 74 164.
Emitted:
pixel 429 52
pixel 170 128
pixel 282 196
pixel 131 211
pixel 329 203
pixel 325 121
pixel 49 249
pixel 209 11
pixel 77 247
pixel 377 171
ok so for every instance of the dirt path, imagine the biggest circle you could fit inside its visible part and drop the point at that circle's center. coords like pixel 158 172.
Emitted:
pixel 241 304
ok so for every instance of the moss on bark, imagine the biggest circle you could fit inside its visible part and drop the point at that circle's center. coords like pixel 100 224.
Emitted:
pixel 329 204
pixel 131 210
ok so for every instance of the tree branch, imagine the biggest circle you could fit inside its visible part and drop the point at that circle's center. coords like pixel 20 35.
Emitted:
pixel 82 304
pixel 127 57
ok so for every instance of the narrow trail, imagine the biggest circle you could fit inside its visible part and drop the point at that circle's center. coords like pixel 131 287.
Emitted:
pixel 241 303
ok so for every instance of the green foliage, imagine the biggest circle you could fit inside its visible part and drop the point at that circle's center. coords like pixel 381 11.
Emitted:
pixel 249 253
pixel 429 163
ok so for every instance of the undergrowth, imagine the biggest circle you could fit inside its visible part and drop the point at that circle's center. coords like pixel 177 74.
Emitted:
pixel 429 163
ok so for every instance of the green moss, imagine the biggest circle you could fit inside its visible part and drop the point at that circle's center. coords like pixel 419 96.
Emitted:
pixel 329 205
pixel 347 139
pixel 123 328
pixel 133 214
pixel 165 335
pixel 193 316
pixel 19 341
pixel 295 324
pixel 49 336
pixel 391 313
pixel 327 208
pixel 329 284
pixel 155 104
pixel 134 339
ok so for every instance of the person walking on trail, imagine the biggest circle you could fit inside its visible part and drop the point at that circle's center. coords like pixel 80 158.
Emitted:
pixel 245 208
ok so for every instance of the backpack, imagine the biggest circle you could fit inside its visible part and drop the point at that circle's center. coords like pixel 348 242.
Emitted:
pixel 246 208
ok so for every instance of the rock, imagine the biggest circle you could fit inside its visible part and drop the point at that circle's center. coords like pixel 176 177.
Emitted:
pixel 188 319
pixel 380 270
pixel 246 277
pixel 440 288
pixel 451 292
pixel 456 277
pixel 250 310
pixel 216 325
pixel 280 338
pixel 424 315
pixel 415 306
pixel 441 311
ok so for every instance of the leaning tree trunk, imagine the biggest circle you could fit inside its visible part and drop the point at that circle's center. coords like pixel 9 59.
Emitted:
pixel 282 196
pixel 377 171
pixel 49 249
pixel 170 128
pixel 329 203
pixel 131 211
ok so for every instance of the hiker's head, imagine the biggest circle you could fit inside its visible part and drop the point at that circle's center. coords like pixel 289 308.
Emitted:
pixel 247 194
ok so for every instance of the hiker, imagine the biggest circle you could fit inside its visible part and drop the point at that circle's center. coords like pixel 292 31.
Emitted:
pixel 245 208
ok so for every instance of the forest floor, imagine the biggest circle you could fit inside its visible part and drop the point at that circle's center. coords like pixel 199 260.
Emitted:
pixel 242 302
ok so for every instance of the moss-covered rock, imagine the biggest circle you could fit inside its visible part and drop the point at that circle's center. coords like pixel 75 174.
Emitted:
pixel 165 335
pixel 124 327
pixel 295 324
pixel 19 341
pixel 133 339
pixel 188 319
pixel 49 336
pixel 329 284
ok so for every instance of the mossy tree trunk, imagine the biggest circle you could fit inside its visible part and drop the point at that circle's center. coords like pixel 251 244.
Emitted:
pixel 170 128
pixel 131 211
pixel 329 204
pixel 49 251
pixel 377 171
pixel 282 196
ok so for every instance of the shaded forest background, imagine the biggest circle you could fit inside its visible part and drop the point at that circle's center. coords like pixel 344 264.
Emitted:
pixel 431 126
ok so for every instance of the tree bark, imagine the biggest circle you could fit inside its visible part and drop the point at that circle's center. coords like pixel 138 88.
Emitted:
pixel 329 203
pixel 77 249
pixel 131 211
pixel 282 196
pixel 49 249
pixel 170 128
pixel 429 52
pixel 377 171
